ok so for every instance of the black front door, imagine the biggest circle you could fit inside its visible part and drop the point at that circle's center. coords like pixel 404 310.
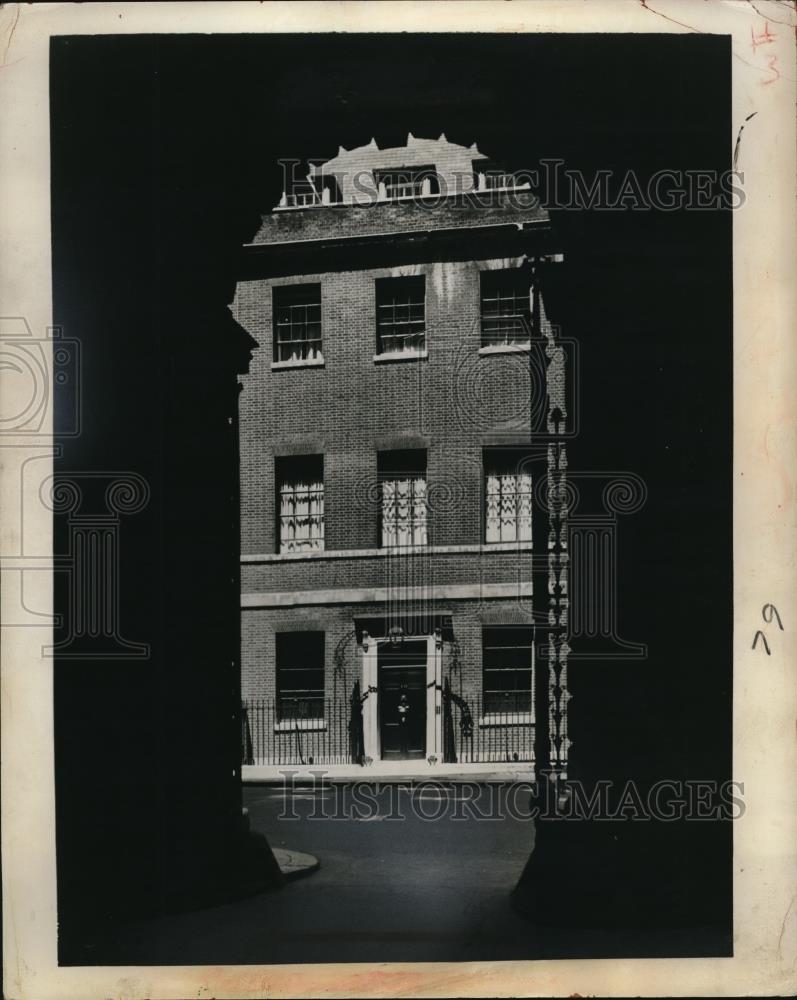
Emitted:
pixel 402 700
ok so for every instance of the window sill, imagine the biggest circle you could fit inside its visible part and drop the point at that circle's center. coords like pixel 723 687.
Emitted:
pixel 303 725
pixel 485 548
pixel 308 363
pixel 511 719
pixel 521 348
pixel 523 545
pixel 400 356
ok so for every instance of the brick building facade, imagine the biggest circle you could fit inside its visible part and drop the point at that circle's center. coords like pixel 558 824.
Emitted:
pixel 402 568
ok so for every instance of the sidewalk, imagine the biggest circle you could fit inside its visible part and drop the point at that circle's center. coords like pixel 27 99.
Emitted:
pixel 294 864
pixel 385 772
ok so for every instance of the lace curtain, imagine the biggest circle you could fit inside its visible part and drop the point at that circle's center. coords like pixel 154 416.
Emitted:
pixel 508 507
pixel 301 516
pixel 404 512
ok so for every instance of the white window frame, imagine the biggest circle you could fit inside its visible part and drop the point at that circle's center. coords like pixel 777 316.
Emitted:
pixel 507 324
pixel 300 513
pixel 513 715
pixel 508 503
pixel 300 350
pixel 403 506
pixel 283 670
pixel 414 351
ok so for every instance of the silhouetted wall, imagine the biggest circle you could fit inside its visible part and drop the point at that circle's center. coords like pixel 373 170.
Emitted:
pixel 164 151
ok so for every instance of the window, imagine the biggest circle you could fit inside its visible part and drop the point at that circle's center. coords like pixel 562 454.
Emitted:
pixel 300 499
pixel 490 175
pixel 401 315
pixel 506 306
pixel 507 493
pixel 300 675
pixel 297 323
pixel 507 662
pixel 407 182
pixel 320 189
pixel 403 505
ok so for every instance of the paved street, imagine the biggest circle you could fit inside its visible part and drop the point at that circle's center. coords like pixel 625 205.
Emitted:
pixel 392 886
pixel 407 874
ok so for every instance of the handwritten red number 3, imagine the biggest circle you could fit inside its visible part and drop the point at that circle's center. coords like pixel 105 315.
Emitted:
pixel 772 67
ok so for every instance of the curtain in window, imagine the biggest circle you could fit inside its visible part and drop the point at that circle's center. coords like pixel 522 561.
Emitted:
pixel 508 507
pixel 506 306
pixel 404 512
pixel 301 516
pixel 297 319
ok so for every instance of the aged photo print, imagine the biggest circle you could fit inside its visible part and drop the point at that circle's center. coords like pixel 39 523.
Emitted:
pixel 385 500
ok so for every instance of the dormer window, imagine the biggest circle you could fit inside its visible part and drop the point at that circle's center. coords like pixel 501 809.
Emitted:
pixel 422 168
pixel 407 182
pixel 490 175
pixel 312 192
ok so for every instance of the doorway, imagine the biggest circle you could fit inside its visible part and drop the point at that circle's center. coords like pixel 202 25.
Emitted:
pixel 402 699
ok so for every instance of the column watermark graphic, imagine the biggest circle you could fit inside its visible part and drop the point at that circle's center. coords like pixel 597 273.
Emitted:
pixel 41 412
pixel 93 504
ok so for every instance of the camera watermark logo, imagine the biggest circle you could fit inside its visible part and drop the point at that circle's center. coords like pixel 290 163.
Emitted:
pixel 41 375
pixel 40 408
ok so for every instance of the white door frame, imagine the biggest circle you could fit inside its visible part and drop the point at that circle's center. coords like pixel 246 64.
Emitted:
pixel 434 711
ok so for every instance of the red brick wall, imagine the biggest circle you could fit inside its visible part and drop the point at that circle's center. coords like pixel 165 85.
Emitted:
pixel 259 626
pixel 422 568
pixel 343 667
pixel 455 402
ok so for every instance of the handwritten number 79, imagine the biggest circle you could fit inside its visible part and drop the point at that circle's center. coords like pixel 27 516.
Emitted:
pixel 768 612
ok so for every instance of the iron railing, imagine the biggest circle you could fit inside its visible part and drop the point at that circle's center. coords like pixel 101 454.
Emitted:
pixel 479 731
pixel 469 735
pixel 270 735
pixel 309 199
pixel 492 180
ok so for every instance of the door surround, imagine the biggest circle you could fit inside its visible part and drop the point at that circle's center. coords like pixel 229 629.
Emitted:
pixel 370 685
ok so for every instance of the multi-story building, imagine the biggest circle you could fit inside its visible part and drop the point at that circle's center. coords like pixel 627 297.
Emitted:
pixel 400 463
